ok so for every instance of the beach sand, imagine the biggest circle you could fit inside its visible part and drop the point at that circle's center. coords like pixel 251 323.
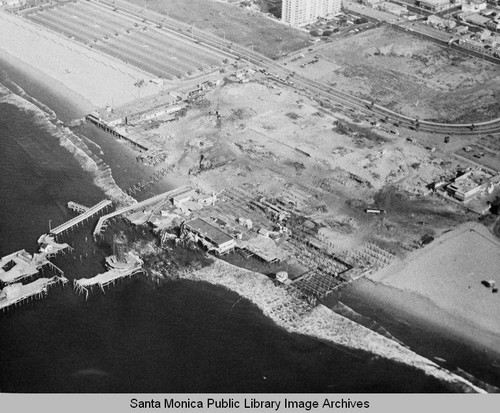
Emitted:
pixel 447 275
pixel 88 78
pixel 424 327
pixel 320 322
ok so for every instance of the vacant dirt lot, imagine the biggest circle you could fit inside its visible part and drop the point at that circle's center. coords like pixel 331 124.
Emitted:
pixel 240 25
pixel 409 75
pixel 276 141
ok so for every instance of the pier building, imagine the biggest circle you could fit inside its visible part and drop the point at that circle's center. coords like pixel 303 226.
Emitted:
pixel 210 236
pixel 120 247
pixel 17 266
pixel 17 293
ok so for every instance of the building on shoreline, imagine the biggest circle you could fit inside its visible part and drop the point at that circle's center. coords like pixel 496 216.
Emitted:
pixel 298 13
pixel 209 236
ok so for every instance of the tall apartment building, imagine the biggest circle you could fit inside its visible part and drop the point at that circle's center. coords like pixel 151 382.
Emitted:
pixel 301 12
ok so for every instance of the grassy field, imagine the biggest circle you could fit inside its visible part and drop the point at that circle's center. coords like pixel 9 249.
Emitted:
pixel 237 24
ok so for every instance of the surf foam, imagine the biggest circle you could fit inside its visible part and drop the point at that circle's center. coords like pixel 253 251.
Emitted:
pixel 46 119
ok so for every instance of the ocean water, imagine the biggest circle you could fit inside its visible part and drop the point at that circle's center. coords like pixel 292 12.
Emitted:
pixel 181 336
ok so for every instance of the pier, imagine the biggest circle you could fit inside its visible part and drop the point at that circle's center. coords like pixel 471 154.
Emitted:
pixel 102 280
pixel 74 206
pixel 81 218
pixel 101 224
pixel 17 266
pixel 17 293
pixel 21 265
pixel 49 247
pixel 101 125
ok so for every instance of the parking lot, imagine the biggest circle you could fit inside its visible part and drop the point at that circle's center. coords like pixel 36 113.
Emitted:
pixel 138 42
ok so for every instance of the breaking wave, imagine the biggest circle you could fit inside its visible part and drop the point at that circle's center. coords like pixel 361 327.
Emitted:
pixel 320 322
pixel 47 119
pixel 348 312
pixel 19 91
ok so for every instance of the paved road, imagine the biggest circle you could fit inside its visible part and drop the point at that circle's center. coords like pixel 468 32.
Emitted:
pixel 327 95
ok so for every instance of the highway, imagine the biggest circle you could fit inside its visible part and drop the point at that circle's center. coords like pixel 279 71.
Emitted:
pixel 326 95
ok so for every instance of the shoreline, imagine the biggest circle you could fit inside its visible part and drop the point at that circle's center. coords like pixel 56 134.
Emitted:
pixel 449 273
pixel 321 322
pixel 71 74
pixel 78 105
pixel 58 103
pixel 409 306
pixel 316 326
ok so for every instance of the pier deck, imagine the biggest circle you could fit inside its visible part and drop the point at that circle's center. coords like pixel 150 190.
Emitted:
pixel 104 279
pixel 75 206
pixel 17 266
pixel 17 293
pixel 102 125
pixel 150 201
pixel 82 217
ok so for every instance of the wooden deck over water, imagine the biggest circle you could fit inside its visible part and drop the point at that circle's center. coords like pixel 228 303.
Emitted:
pixel 82 217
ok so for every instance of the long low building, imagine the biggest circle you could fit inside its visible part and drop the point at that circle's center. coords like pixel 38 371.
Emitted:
pixel 469 185
pixel 17 266
pixel 435 6
pixel 210 236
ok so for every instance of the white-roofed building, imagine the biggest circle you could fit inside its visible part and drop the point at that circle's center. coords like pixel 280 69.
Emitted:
pixel 435 5
pixel 299 13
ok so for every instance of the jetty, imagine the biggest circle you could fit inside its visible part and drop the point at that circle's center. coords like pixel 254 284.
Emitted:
pixel 82 217
pixel 17 293
pixel 101 224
